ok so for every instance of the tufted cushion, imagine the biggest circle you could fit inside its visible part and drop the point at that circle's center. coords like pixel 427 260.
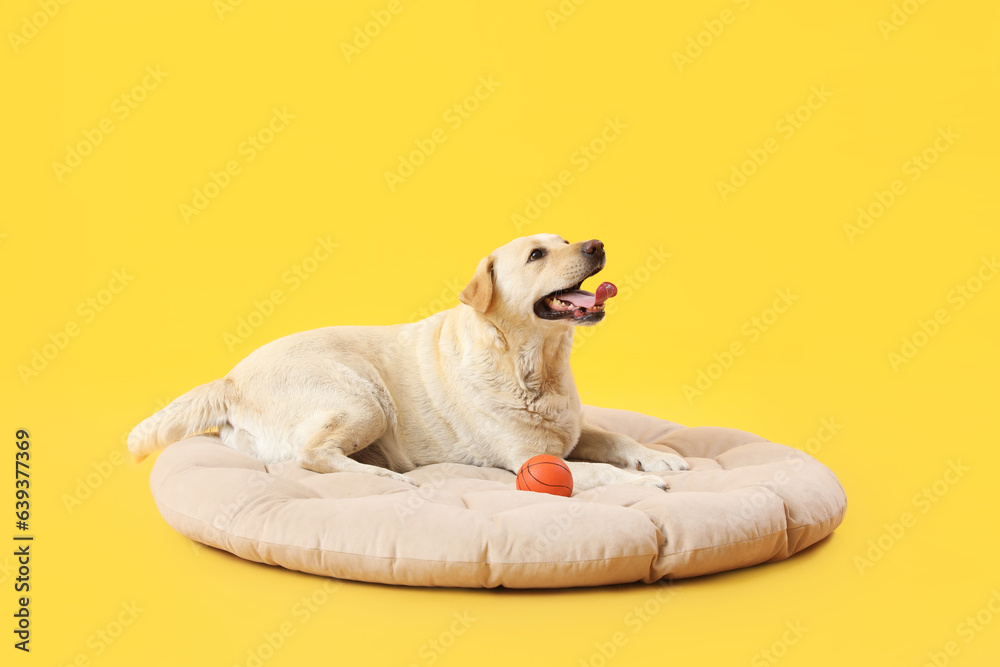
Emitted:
pixel 745 501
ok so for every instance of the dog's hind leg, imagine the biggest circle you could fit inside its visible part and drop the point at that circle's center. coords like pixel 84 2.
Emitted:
pixel 348 429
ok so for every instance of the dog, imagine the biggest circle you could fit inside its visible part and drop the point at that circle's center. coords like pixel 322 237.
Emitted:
pixel 486 383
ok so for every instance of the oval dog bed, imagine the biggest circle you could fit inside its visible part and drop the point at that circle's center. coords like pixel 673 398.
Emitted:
pixel 745 501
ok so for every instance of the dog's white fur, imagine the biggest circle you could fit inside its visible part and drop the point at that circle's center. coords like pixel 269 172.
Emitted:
pixel 487 382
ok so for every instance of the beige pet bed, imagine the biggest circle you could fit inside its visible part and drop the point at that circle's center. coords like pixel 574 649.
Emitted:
pixel 745 501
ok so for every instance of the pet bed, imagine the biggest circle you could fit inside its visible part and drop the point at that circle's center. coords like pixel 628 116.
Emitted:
pixel 745 501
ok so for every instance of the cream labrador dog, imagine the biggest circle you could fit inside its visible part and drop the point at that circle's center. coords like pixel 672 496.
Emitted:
pixel 487 383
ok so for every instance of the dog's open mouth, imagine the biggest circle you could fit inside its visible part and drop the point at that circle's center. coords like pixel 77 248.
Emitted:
pixel 575 304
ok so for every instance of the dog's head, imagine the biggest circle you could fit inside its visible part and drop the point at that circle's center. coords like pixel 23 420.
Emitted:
pixel 537 280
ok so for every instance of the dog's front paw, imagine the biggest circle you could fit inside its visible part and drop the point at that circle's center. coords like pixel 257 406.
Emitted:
pixel 661 462
pixel 650 480
pixel 389 474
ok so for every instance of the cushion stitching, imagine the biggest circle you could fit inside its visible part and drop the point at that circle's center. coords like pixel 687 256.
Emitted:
pixel 460 562
pixel 425 560
pixel 761 537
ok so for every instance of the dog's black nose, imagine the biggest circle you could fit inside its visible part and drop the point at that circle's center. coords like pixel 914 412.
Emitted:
pixel 593 246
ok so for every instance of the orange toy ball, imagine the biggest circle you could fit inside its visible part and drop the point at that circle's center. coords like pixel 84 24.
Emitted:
pixel 545 474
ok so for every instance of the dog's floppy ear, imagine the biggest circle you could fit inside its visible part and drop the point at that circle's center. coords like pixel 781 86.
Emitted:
pixel 479 292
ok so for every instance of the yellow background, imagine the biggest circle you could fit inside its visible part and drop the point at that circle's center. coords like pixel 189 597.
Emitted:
pixel 654 186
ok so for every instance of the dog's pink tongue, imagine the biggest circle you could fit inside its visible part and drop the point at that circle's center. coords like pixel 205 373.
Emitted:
pixel 587 300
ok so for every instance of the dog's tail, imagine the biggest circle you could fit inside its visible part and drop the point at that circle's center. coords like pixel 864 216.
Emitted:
pixel 200 410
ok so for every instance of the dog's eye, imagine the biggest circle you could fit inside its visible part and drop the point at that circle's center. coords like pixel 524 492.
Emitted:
pixel 537 253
